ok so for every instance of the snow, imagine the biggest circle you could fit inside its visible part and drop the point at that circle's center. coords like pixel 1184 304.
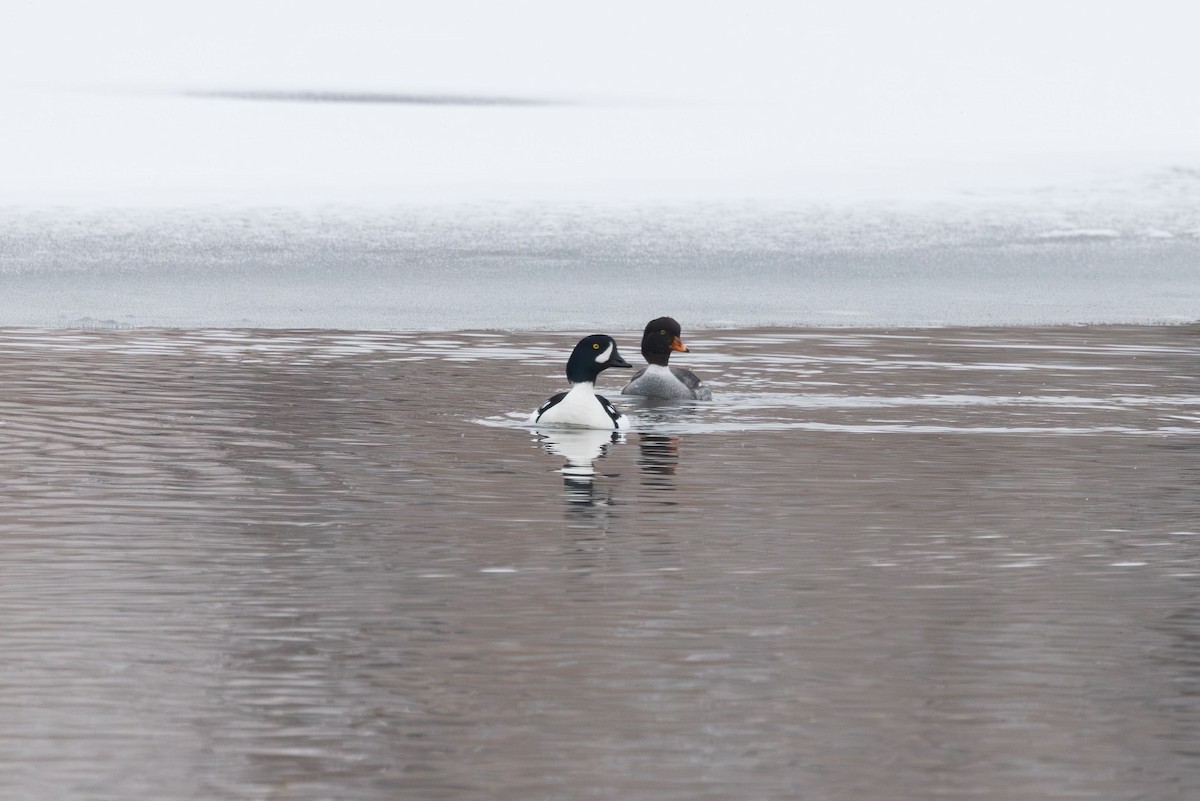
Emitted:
pixel 222 134
pixel 136 102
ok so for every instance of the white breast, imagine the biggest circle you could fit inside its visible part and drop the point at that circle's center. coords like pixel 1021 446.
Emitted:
pixel 581 408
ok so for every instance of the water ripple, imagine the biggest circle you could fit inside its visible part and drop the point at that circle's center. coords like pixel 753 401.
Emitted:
pixel 247 564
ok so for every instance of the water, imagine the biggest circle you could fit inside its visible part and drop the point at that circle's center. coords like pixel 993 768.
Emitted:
pixel 912 564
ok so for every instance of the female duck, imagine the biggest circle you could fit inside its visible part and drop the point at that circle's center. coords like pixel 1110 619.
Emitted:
pixel 658 379
pixel 581 406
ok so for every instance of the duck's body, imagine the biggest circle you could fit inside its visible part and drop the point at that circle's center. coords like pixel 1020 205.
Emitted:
pixel 581 407
pixel 664 381
pixel 658 379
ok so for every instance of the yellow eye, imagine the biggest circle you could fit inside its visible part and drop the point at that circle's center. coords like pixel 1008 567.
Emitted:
pixel 663 332
pixel 596 345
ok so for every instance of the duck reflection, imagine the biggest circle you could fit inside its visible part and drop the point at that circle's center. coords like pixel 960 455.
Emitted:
pixel 658 457
pixel 581 448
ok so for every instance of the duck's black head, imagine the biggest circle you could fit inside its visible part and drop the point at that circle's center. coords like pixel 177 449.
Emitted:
pixel 660 338
pixel 592 356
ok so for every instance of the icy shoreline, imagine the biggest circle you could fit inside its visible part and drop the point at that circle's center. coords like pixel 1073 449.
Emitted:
pixel 541 267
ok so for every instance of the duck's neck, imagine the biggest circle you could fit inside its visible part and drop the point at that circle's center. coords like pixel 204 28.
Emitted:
pixel 581 373
pixel 658 358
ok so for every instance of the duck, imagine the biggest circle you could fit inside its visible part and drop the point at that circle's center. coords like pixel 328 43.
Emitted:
pixel 581 407
pixel 657 379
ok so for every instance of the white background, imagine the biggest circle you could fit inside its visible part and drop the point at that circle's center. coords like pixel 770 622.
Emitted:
pixel 666 100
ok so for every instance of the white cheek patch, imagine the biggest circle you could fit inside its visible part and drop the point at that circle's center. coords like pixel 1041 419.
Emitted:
pixel 603 357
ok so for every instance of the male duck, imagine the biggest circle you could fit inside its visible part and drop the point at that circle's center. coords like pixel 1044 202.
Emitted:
pixel 581 406
pixel 658 379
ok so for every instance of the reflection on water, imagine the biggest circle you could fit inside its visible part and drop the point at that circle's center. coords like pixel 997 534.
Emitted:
pixel 658 456
pixel 310 565
pixel 581 448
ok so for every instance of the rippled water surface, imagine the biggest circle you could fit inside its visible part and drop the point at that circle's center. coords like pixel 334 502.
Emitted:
pixel 952 563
